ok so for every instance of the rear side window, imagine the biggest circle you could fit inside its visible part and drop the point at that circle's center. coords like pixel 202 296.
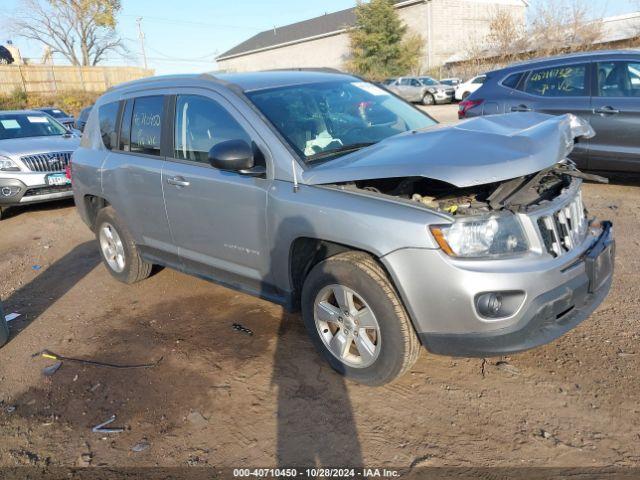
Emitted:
pixel 512 80
pixel 108 117
pixel 146 125
pixel 200 124
pixel 619 79
pixel 559 81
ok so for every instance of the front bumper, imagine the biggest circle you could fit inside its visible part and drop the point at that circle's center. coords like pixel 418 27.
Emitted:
pixel 443 97
pixel 556 300
pixel 30 188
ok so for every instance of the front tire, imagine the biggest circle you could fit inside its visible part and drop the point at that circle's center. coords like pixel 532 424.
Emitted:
pixel 118 250
pixel 428 99
pixel 356 320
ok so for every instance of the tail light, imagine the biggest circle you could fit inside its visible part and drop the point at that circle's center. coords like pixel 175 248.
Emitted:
pixel 466 105
pixel 67 169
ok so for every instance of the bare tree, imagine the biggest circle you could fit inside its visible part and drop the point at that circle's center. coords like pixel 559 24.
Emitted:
pixel 507 36
pixel 562 25
pixel 84 31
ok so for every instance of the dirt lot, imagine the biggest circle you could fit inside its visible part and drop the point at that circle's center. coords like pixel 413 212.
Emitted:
pixel 224 398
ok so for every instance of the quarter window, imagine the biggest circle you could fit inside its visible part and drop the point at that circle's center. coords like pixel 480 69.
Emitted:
pixel 108 116
pixel 559 81
pixel 619 79
pixel 125 127
pixel 146 125
pixel 512 80
pixel 200 124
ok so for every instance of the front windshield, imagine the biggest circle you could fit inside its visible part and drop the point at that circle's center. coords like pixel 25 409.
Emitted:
pixel 22 125
pixel 55 112
pixel 323 120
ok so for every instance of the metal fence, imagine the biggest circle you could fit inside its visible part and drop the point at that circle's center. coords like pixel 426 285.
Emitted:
pixel 50 79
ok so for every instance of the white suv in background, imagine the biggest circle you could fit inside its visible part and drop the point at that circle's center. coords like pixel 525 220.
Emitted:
pixel 467 88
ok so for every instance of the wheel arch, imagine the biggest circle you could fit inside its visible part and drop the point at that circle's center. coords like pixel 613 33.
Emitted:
pixel 92 205
pixel 305 253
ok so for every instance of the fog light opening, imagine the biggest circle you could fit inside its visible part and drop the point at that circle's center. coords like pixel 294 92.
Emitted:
pixel 496 305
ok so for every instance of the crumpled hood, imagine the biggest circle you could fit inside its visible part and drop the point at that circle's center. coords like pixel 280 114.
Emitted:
pixel 473 152
pixel 17 147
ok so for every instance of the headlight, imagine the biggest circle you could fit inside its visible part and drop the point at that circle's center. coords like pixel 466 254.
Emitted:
pixel 481 237
pixel 8 165
pixel 431 90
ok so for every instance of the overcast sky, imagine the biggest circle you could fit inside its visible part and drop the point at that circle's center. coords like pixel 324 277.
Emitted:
pixel 186 35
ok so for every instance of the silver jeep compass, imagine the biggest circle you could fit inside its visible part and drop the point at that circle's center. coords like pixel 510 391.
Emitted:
pixel 325 193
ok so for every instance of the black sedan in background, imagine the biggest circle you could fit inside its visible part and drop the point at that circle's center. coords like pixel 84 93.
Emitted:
pixel 602 87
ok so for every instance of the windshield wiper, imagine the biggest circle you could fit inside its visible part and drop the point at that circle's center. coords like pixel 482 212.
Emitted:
pixel 336 151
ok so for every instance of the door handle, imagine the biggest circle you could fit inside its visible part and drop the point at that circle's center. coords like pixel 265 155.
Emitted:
pixel 606 111
pixel 178 181
pixel 521 108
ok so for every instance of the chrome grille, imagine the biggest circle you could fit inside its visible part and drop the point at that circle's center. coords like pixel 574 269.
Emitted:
pixel 565 228
pixel 47 162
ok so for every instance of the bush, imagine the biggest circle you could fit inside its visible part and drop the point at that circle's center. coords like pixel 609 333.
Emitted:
pixel 71 102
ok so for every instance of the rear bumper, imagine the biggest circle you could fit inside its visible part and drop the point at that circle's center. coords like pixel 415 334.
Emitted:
pixel 556 299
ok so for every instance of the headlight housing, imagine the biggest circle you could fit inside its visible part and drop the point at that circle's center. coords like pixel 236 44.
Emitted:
pixel 478 237
pixel 8 165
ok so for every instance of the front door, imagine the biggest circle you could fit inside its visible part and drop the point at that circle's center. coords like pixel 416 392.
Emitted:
pixel 217 218
pixel 616 117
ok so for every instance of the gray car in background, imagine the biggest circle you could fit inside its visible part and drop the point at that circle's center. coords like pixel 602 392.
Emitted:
pixel 325 193
pixel 60 115
pixel 601 87
pixel 424 90
pixel 34 153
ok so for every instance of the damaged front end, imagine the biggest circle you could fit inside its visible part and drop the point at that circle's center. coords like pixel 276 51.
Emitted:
pixel 541 211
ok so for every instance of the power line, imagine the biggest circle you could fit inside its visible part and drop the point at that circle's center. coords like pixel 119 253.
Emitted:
pixel 197 24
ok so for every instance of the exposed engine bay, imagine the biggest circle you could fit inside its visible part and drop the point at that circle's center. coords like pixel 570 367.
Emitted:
pixel 518 194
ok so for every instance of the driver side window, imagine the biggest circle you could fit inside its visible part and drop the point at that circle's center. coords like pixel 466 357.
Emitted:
pixel 200 124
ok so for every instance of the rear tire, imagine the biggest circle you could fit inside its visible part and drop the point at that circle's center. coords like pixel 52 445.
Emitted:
pixel 376 342
pixel 465 95
pixel 118 250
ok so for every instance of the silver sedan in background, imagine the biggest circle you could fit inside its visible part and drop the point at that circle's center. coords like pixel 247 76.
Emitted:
pixel 424 90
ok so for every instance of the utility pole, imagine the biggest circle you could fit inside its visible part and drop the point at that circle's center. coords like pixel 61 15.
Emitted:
pixel 141 37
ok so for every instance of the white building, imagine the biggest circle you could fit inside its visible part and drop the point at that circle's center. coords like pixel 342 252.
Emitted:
pixel 447 27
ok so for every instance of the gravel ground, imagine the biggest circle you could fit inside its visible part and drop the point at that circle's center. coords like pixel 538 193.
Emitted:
pixel 224 398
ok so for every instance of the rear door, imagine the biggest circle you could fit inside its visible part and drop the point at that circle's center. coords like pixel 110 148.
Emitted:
pixel 557 90
pixel 218 218
pixel 132 176
pixel 616 116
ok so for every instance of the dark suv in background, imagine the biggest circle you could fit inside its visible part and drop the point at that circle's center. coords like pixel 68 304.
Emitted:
pixel 601 87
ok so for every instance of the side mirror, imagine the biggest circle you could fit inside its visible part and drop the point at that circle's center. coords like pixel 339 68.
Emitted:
pixel 233 155
pixel 236 156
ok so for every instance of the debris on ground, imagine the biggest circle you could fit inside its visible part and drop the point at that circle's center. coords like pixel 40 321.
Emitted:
pixel 54 356
pixel 100 428
pixel 141 446
pixel 196 418
pixel 10 409
pixel 84 459
pixel 11 316
pixel 51 369
pixel 507 367
pixel 239 328
pixel 36 267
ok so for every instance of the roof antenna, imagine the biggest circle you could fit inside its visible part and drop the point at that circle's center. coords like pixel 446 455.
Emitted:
pixel 296 187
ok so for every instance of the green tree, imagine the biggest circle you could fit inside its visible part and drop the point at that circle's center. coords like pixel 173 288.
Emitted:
pixel 380 44
pixel 84 31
